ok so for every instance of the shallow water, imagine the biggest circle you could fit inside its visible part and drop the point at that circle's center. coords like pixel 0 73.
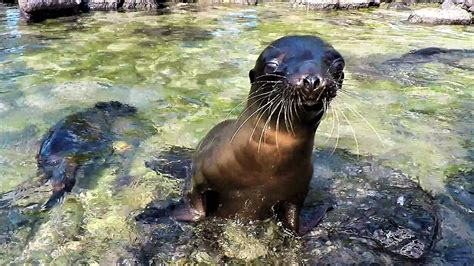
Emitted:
pixel 187 69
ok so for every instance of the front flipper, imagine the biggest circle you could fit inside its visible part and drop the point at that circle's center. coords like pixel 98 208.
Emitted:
pixel 180 211
pixel 290 215
pixel 310 219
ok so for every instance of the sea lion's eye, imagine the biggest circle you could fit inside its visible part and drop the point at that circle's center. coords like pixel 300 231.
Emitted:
pixel 271 67
pixel 337 66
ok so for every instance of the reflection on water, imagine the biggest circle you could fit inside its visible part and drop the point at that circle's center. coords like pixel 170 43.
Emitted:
pixel 185 71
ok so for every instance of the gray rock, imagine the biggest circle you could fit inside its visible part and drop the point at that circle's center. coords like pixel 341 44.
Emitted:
pixel 468 3
pixel 335 4
pixel 141 4
pixel 448 4
pixel 398 6
pixel 104 5
pixel 449 16
pixel 35 10
pixel 30 6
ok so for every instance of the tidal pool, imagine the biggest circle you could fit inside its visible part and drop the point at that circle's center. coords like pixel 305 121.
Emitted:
pixel 185 70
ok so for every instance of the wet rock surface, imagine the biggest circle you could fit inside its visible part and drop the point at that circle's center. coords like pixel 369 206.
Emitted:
pixel 380 215
pixel 451 15
pixel 378 211
pixel 37 10
pixel 455 245
pixel 398 6
pixel 334 4
pixel 461 188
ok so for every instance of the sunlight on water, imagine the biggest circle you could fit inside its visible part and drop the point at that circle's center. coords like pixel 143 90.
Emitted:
pixel 185 71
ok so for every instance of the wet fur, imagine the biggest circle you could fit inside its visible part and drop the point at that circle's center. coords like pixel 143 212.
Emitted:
pixel 260 164
pixel 74 141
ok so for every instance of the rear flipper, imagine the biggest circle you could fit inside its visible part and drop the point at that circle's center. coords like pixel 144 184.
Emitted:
pixel 63 180
pixel 54 199
pixel 164 211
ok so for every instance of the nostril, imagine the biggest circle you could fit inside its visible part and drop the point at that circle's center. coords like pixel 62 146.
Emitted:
pixel 311 82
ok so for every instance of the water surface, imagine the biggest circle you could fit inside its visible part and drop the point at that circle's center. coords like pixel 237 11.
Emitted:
pixel 186 70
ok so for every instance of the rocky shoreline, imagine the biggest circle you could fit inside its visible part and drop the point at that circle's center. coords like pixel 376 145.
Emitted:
pixel 449 12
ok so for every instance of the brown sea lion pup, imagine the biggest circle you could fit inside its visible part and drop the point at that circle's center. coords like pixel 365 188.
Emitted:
pixel 260 164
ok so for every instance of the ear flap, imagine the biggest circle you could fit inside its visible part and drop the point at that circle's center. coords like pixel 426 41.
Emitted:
pixel 252 75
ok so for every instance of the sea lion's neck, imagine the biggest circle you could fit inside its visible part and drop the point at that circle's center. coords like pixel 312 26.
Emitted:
pixel 280 118
pixel 272 128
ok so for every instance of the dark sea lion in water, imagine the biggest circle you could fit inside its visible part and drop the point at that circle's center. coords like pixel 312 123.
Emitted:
pixel 260 164
pixel 433 54
pixel 75 141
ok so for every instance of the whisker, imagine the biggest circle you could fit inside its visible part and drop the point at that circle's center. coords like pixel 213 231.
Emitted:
pixel 263 112
pixel 352 129
pixel 245 101
pixel 287 116
pixel 353 110
pixel 260 117
pixel 278 122
pixel 271 75
pixel 338 131
pixel 245 121
pixel 265 125
pixel 332 128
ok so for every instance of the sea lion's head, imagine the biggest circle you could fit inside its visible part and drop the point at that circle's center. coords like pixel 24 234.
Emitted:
pixel 115 108
pixel 301 73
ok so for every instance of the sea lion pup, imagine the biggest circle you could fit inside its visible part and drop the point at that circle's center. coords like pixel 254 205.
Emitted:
pixel 260 164
pixel 76 141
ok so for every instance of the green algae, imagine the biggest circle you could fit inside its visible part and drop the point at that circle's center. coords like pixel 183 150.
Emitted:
pixel 187 71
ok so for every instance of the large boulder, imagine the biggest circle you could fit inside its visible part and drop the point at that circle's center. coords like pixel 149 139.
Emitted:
pixel 35 10
pixel 449 13
pixel 335 4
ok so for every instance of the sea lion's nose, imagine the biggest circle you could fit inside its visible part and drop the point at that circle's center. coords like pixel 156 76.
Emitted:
pixel 311 82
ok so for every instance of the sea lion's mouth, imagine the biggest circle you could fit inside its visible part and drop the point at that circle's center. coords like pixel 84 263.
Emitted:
pixel 320 96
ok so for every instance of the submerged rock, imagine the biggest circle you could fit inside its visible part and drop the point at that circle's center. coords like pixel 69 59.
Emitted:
pixel 450 15
pixel 461 188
